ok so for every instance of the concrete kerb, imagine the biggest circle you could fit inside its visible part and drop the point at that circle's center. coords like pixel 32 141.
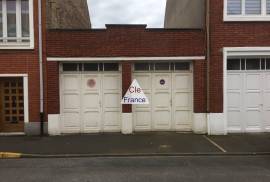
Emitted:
pixel 7 155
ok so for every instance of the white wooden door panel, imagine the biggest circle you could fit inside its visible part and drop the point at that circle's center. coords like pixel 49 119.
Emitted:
pixel 248 101
pixel 70 98
pixel 170 97
pixel 91 99
pixel 90 103
pixel 111 102
pixel 182 101
pixel 162 99
pixel 266 102
pixel 253 102
pixel 143 113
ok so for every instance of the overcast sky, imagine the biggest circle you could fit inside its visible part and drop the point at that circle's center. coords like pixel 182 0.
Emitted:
pixel 150 12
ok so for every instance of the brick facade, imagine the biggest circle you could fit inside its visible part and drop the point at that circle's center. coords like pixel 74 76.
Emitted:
pixel 125 41
pixel 26 62
pixel 229 34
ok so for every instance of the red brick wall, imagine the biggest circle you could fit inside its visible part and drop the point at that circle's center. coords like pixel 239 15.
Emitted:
pixel 199 86
pixel 25 62
pixel 125 41
pixel 126 82
pixel 118 41
pixel 229 34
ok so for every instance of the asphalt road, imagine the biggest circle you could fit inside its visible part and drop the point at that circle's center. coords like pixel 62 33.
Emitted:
pixel 141 169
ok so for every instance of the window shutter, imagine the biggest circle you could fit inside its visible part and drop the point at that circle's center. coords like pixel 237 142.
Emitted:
pixel 253 7
pixel 234 7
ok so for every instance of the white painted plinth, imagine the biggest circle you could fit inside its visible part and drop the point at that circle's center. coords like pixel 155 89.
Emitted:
pixel 127 124
pixel 54 124
pixel 200 123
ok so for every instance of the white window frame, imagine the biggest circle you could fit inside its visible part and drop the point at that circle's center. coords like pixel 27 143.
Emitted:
pixel 243 17
pixel 19 45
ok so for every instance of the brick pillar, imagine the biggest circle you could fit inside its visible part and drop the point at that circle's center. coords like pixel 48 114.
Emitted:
pixel 199 85
pixel 126 82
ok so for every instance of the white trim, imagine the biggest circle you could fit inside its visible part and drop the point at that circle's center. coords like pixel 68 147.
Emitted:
pixel 238 51
pixel 125 58
pixel 18 45
pixel 12 134
pixel 243 17
pixel 25 91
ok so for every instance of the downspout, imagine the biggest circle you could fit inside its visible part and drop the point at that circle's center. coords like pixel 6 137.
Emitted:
pixel 208 47
pixel 41 67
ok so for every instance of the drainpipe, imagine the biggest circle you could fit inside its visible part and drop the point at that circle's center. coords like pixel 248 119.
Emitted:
pixel 208 53
pixel 40 67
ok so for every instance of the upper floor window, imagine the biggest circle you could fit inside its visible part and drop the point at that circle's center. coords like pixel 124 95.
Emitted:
pixel 16 24
pixel 247 10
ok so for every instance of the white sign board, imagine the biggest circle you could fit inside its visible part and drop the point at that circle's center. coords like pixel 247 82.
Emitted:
pixel 135 95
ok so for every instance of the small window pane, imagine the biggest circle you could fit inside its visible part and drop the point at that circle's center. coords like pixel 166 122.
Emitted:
pixel 11 18
pixel 253 7
pixel 253 64
pixel 182 66
pixel 141 67
pixel 243 64
pixel 162 66
pixel 25 18
pixel 268 64
pixel 268 6
pixel 262 64
pixel 233 64
pixel 234 7
pixel 91 67
pixel 70 67
pixel 1 21
pixel 111 67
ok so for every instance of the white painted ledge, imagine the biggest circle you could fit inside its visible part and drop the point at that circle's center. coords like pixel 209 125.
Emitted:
pixel 127 123
pixel 199 123
pixel 54 124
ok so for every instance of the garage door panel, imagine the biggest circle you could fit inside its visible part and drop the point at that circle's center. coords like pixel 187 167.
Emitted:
pixel 144 80
pixel 182 100
pixel 111 120
pixel 183 117
pixel 158 85
pixel 234 118
pixel 234 99
pixel 111 100
pixel 92 119
pixel 91 104
pixel 72 120
pixel 182 82
pixel 143 120
pixel 91 101
pixel 235 81
pixel 111 82
pixel 162 119
pixel 71 83
pixel 252 103
pixel 162 100
pixel 253 118
pixel 253 99
pixel 71 101
pixel 253 82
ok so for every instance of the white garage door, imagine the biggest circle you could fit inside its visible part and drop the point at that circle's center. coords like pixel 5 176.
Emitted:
pixel 248 95
pixel 90 98
pixel 168 87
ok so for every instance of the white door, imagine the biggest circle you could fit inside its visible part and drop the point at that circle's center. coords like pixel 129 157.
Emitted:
pixel 90 102
pixel 248 97
pixel 170 97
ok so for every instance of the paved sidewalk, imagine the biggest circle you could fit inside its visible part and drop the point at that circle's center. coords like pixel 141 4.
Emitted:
pixel 163 143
